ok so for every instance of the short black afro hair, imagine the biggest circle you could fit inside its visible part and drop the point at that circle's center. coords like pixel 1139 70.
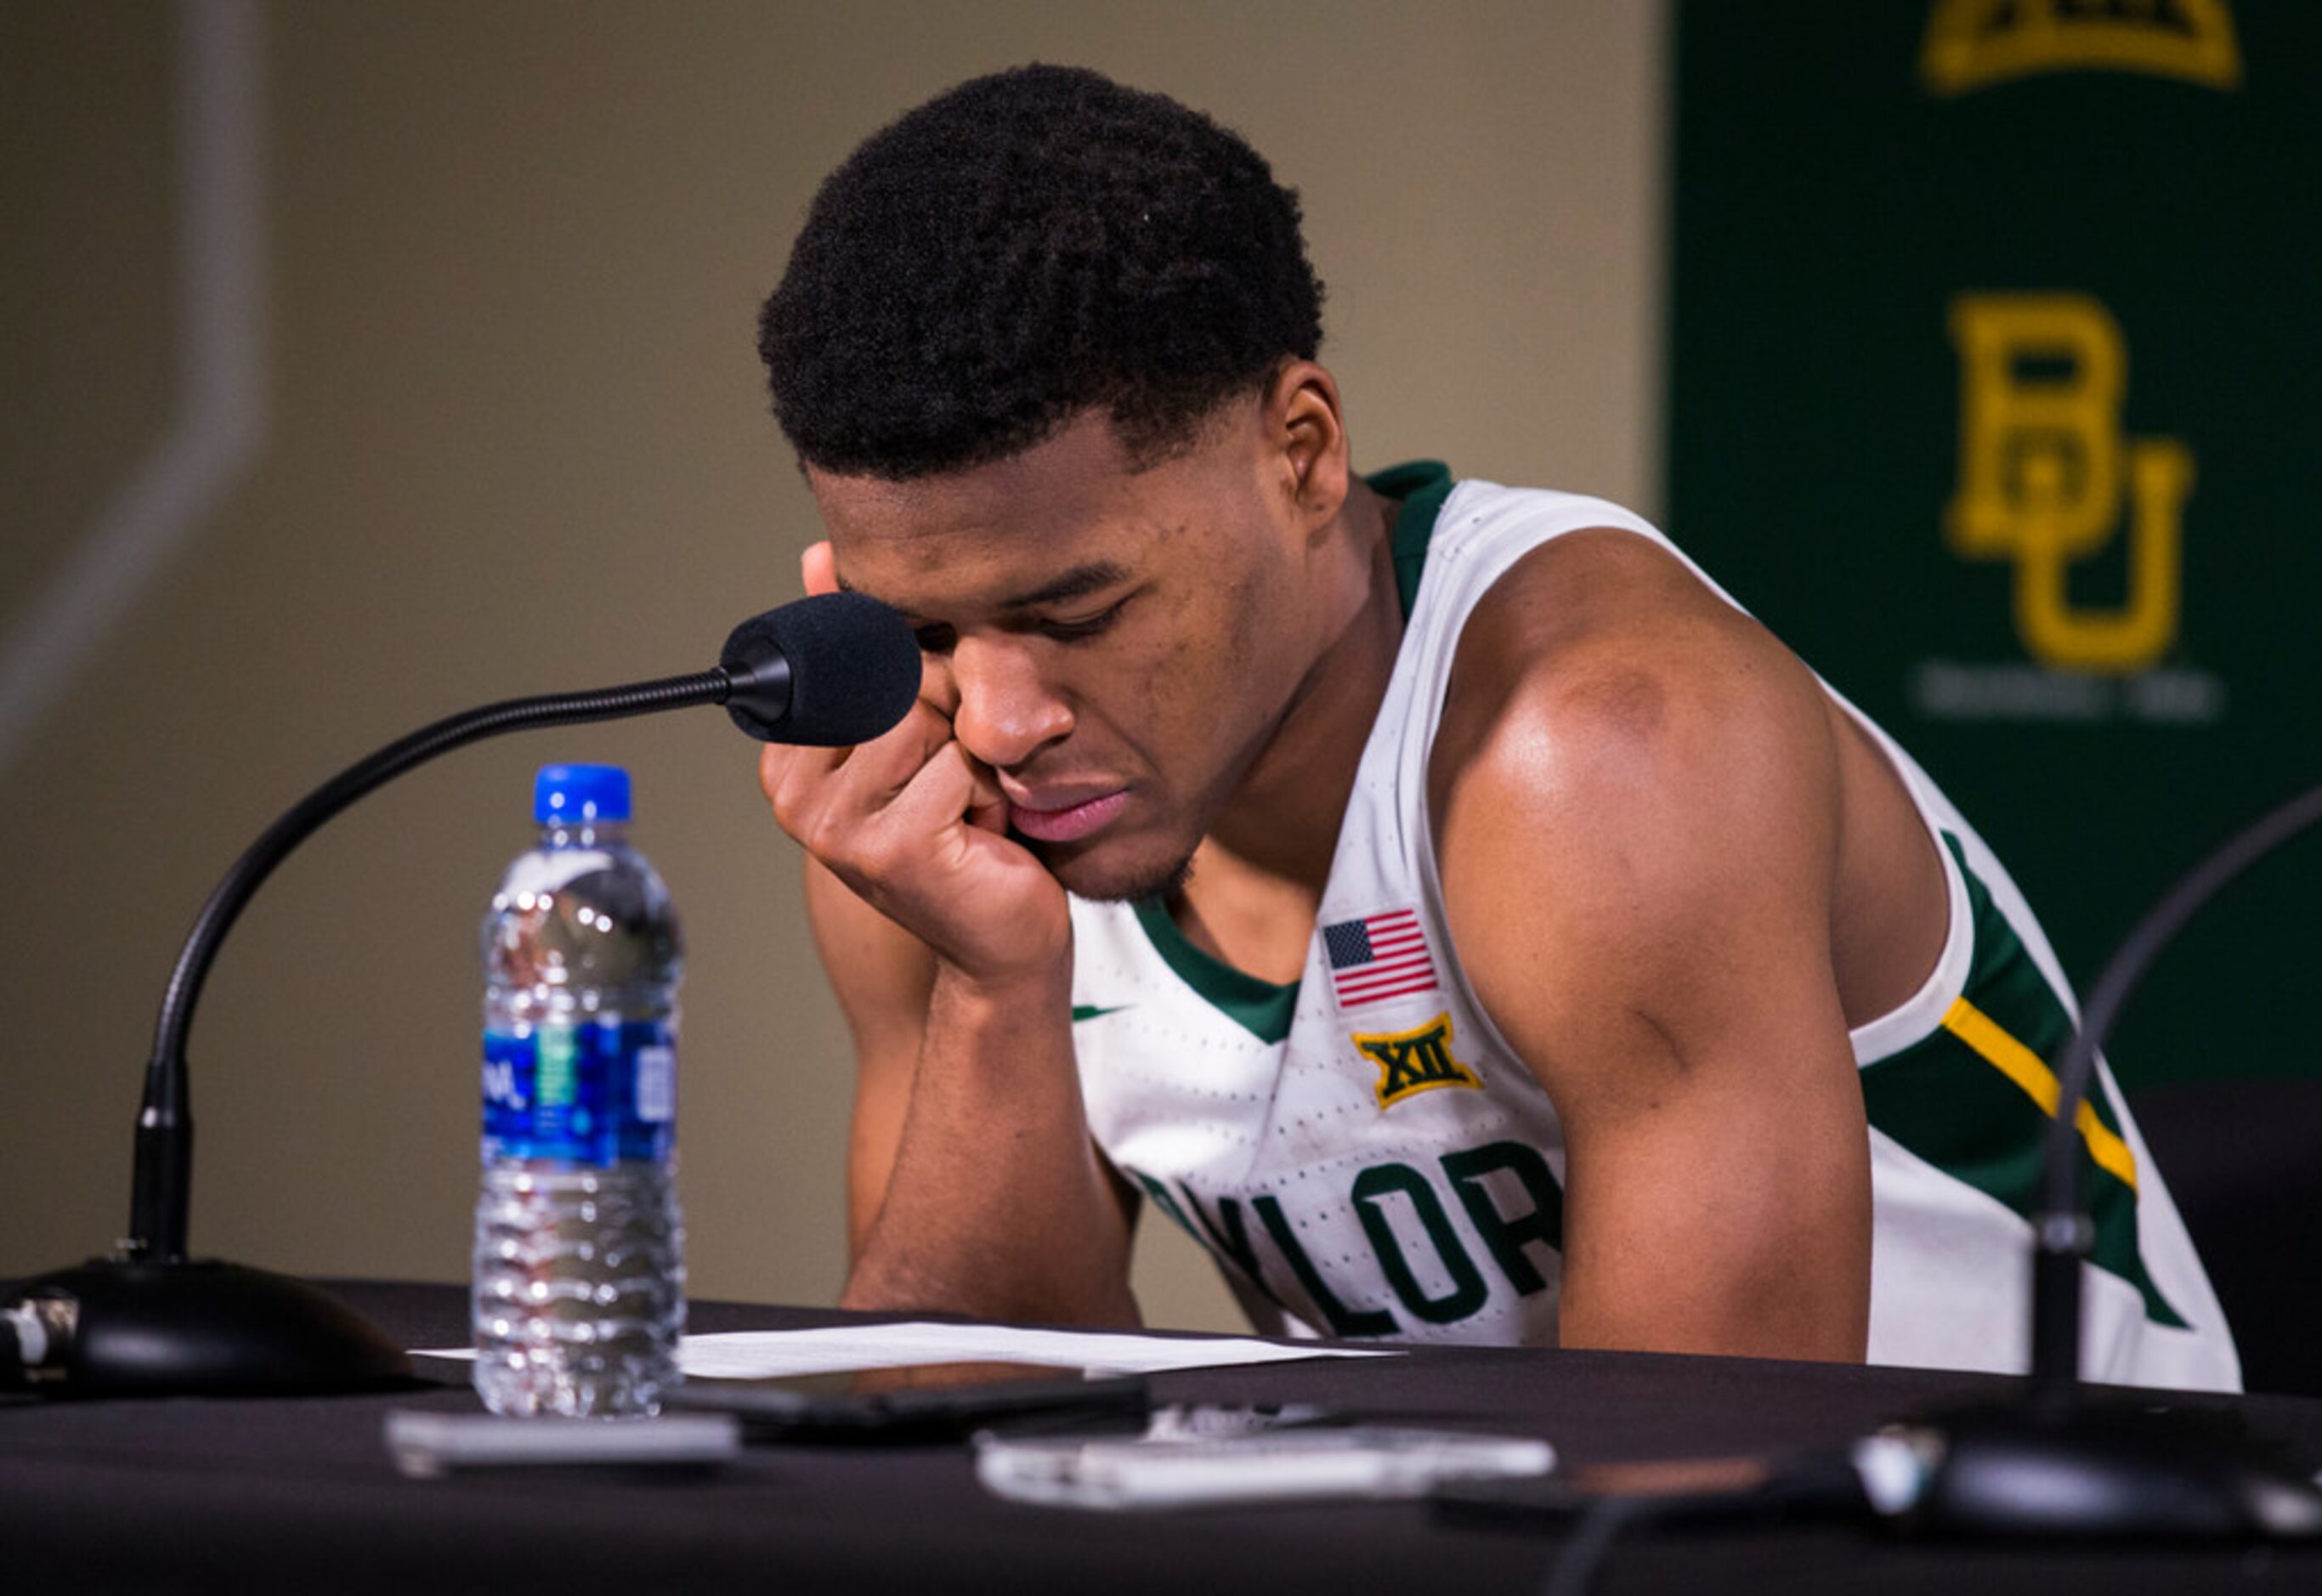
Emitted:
pixel 1019 249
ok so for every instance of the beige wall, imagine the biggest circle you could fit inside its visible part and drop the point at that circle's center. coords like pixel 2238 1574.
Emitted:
pixel 515 441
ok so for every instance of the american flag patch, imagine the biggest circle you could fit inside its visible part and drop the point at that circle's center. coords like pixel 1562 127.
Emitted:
pixel 1380 956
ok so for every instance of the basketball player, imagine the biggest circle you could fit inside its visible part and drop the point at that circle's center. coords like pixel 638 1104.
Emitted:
pixel 1438 897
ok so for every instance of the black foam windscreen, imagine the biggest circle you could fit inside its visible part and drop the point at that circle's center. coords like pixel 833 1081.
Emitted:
pixel 828 671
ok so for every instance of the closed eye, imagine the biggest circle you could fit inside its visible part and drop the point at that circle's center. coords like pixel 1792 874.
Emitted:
pixel 1074 631
pixel 940 637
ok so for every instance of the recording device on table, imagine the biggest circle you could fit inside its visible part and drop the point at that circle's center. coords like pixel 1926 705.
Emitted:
pixel 1082 1438
pixel 707 1422
pixel 1320 1463
pixel 149 1319
pixel 922 1401
pixel 1046 1434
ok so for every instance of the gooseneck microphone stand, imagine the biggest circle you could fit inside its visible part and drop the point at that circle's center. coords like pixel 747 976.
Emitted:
pixel 149 1319
pixel 158 1199
pixel 2063 1461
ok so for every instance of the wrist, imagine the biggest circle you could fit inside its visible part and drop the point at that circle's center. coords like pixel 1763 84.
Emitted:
pixel 1011 993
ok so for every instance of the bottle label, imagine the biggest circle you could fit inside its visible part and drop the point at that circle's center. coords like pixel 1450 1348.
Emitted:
pixel 598 1093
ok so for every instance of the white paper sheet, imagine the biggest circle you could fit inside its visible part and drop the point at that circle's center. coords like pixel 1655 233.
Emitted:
pixel 756 1354
pixel 759 1354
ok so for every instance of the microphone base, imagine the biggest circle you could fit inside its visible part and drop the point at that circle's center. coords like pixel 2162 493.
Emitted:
pixel 200 1327
pixel 2086 1470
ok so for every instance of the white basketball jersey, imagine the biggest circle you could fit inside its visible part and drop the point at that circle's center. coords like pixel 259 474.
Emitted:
pixel 1365 1155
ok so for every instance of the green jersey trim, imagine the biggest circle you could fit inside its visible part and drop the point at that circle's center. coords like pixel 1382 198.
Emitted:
pixel 1263 1007
pixel 1422 485
pixel 1970 1103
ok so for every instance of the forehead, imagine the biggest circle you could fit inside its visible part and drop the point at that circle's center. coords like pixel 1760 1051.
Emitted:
pixel 979 537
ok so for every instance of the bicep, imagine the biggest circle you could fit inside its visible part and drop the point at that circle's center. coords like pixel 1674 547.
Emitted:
pixel 1726 1206
pixel 1638 877
pixel 882 976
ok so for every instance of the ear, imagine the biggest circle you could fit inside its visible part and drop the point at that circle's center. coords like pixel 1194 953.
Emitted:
pixel 1307 434
pixel 818 568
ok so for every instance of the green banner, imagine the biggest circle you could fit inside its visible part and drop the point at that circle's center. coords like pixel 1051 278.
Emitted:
pixel 1995 381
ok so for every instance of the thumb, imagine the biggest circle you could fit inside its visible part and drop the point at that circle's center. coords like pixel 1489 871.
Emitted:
pixel 987 806
pixel 819 567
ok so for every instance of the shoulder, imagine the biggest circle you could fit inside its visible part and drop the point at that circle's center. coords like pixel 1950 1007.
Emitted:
pixel 1633 773
pixel 1600 658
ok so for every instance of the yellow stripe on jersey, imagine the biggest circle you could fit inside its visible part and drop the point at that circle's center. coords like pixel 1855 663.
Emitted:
pixel 2020 1065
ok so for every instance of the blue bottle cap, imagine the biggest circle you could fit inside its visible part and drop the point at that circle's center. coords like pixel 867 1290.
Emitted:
pixel 574 794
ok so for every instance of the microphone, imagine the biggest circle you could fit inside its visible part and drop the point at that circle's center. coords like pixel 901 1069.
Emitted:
pixel 2061 1462
pixel 828 670
pixel 826 673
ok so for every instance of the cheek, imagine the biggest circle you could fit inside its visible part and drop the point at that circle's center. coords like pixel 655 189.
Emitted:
pixel 1259 627
pixel 1177 692
pixel 1225 666
pixel 1172 689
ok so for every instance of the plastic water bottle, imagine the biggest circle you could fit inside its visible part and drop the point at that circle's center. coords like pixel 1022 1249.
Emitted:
pixel 578 1294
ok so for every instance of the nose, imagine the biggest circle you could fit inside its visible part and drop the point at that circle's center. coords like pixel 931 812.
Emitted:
pixel 1002 711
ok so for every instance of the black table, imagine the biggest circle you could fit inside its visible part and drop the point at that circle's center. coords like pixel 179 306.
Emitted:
pixel 191 1494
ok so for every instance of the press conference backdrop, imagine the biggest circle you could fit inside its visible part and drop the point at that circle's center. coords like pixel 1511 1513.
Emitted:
pixel 1996 369
pixel 363 362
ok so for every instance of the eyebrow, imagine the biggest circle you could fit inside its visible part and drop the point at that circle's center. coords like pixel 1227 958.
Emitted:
pixel 1075 583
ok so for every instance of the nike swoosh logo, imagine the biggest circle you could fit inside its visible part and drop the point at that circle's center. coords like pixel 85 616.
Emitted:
pixel 1082 1011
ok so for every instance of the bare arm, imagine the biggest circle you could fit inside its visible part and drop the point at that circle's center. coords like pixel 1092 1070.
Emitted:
pixel 971 1185
pixel 1638 830
pixel 882 977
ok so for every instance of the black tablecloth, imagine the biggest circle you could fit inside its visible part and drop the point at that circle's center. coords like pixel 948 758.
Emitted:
pixel 206 1494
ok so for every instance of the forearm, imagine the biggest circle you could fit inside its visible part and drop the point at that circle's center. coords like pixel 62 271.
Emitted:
pixel 996 1205
pixel 1680 1239
pixel 1771 1313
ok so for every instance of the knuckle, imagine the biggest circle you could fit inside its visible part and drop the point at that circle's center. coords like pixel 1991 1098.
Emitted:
pixel 824 836
pixel 878 857
pixel 791 812
pixel 772 768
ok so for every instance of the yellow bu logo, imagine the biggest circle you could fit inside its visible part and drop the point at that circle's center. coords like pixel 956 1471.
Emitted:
pixel 2044 469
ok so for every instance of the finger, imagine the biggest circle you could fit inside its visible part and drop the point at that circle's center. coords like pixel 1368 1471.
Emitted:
pixel 787 774
pixel 819 567
pixel 987 806
pixel 880 768
pixel 939 688
pixel 778 762
pixel 872 848
pixel 825 802
pixel 938 796
pixel 953 788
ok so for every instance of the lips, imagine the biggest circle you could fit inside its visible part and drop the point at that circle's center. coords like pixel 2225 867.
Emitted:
pixel 1068 823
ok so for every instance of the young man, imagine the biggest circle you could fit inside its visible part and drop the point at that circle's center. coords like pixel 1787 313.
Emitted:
pixel 1439 898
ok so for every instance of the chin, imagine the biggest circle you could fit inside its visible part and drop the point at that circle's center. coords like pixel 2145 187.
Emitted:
pixel 1114 873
